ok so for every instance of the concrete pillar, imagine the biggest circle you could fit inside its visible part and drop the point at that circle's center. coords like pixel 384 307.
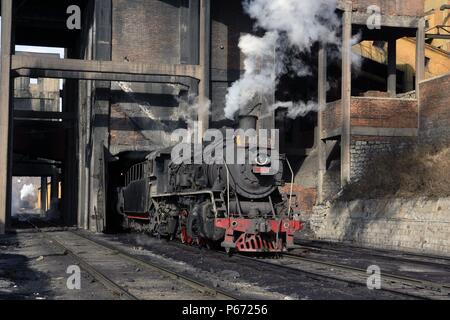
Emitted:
pixel 54 193
pixel 205 56
pixel 420 63
pixel 392 67
pixel 346 93
pixel 322 99
pixel 420 52
pixel 5 114
pixel 101 109
pixel 44 194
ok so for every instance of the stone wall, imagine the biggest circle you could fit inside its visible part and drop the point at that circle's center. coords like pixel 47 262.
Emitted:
pixel 364 150
pixel 417 225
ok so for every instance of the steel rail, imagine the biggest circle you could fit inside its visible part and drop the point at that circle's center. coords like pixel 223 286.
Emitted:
pixel 96 274
pixel 312 273
pixel 407 257
pixel 390 277
pixel 373 251
pixel 193 283
pixel 335 278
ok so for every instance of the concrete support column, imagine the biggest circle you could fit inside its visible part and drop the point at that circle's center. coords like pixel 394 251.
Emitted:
pixel 54 193
pixel 346 93
pixel 5 114
pixel 205 56
pixel 420 62
pixel 101 109
pixel 420 52
pixel 322 99
pixel 392 67
pixel 44 194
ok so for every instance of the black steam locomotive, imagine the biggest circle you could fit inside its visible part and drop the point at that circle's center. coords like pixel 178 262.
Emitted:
pixel 236 205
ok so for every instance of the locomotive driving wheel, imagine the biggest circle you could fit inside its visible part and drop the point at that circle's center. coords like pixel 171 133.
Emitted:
pixel 194 228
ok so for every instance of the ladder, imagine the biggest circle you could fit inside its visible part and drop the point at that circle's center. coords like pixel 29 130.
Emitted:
pixel 220 204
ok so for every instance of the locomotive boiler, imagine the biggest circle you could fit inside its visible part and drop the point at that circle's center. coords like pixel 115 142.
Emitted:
pixel 234 204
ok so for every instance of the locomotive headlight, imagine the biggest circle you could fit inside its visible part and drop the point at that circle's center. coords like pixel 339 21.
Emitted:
pixel 262 160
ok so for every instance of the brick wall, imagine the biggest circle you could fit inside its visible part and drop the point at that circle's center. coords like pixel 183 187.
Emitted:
pixel 228 23
pixel 416 225
pixel 373 112
pixel 146 31
pixel 384 112
pixel 435 110
pixel 304 199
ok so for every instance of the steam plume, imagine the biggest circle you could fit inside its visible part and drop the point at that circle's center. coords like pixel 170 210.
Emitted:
pixel 27 192
pixel 293 27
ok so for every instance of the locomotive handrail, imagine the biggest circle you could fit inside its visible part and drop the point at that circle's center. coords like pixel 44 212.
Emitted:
pixel 210 193
pixel 228 189
pixel 292 187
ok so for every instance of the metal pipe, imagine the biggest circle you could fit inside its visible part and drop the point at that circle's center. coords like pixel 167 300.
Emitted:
pixel 292 187
pixel 228 189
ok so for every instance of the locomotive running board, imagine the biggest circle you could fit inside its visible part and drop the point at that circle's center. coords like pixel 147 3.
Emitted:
pixel 195 193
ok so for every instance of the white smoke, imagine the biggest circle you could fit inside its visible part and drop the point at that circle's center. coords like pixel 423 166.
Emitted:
pixel 260 71
pixel 188 109
pixel 304 22
pixel 297 109
pixel 28 191
pixel 293 27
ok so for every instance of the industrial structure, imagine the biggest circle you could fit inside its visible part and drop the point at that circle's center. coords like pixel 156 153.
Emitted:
pixel 131 64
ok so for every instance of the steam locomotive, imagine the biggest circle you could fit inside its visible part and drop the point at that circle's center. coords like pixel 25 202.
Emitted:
pixel 238 206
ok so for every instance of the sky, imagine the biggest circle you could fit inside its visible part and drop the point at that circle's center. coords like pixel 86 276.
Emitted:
pixel 59 51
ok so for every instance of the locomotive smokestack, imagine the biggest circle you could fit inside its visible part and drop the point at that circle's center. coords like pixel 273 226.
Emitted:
pixel 247 122
pixel 247 118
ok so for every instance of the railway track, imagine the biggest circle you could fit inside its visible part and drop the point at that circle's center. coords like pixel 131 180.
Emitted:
pixel 114 286
pixel 316 273
pixel 431 290
pixel 193 283
pixel 313 272
pixel 389 277
pixel 405 286
pixel 434 261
